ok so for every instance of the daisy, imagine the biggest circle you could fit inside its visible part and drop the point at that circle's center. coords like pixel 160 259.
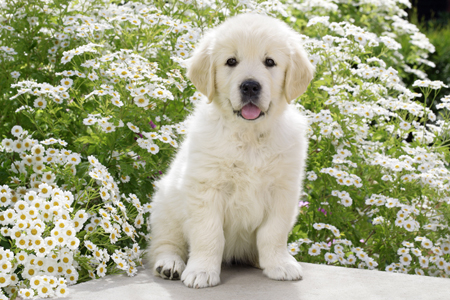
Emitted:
pixel 101 269
pixel 405 125
pixel 108 127
pixel 371 263
pixel 61 291
pixel 26 293
pixel 405 259
pixel 153 149
pixel 346 201
pixel 40 103
pixel 90 227
pixel 92 76
pixel 15 74
pixel 44 291
pixel 89 245
pixel 104 194
pixel 330 257
pixel 32 213
pixel 141 101
pixel 48 177
pixel 399 222
pixel 362 255
pixel 128 229
pixel 38 168
pixel 165 138
pixel 69 232
pixel 440 263
pixel 50 268
pixel 390 268
pixel 5 199
pixel 50 242
pixel 314 250
pixel 133 127
pixel 318 226
pixel 426 243
pixel 89 121
pixel 93 160
pixel 7 143
pixel 351 259
pixel 16 131
pixel 173 143
pixel 124 178
pixel 117 102
pixel 73 159
pixel 66 82
pixel 445 247
pixel 18 146
pixel 45 190
pixel 409 225
pixel 402 251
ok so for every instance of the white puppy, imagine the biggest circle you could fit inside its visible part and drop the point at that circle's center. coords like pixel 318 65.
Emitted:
pixel 232 192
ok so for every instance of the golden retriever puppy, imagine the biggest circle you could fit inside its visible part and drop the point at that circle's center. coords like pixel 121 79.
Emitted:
pixel 232 191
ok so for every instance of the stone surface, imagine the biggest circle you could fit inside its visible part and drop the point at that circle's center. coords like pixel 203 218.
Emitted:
pixel 240 282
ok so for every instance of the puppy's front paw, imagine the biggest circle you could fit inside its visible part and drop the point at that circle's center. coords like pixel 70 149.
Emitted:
pixel 285 271
pixel 169 267
pixel 198 278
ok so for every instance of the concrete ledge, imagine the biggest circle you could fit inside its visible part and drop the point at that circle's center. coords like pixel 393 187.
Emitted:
pixel 239 282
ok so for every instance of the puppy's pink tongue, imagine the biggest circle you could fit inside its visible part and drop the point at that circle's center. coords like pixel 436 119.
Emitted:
pixel 250 111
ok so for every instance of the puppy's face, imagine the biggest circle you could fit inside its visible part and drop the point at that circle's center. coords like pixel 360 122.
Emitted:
pixel 250 73
pixel 251 66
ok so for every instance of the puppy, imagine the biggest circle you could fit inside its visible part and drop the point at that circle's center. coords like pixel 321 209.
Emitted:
pixel 232 191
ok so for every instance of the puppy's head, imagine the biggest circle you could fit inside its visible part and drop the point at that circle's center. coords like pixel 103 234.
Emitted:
pixel 251 65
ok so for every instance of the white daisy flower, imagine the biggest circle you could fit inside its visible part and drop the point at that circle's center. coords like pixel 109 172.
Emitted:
pixel 330 257
pixel 314 250
pixel 133 127
pixel 15 74
pixel 16 131
pixel 66 82
pixel 141 101
pixel 40 103
pixel 405 259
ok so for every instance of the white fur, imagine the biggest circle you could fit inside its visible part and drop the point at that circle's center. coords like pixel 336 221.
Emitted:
pixel 232 191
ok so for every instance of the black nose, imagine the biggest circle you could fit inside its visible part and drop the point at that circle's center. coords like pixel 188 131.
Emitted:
pixel 250 88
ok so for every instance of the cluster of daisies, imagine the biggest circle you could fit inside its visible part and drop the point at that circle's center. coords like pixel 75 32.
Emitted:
pixel 46 222
pixel 371 162
pixel 339 251
pixel 425 255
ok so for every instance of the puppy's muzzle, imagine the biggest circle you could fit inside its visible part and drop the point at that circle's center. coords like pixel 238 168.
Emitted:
pixel 250 91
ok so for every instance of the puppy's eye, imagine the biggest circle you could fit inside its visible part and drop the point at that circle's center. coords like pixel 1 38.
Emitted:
pixel 231 62
pixel 269 62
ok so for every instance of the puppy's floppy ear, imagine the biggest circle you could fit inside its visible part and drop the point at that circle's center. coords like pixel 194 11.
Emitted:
pixel 201 69
pixel 299 72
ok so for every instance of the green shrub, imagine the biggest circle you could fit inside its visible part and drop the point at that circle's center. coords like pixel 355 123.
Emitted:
pixel 93 101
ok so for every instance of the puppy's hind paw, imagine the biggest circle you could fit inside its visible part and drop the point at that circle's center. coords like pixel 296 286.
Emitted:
pixel 286 271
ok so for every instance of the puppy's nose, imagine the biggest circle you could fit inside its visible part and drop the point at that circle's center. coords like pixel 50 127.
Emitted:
pixel 250 88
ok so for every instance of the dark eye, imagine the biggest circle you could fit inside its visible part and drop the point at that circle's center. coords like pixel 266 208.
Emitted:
pixel 269 62
pixel 231 62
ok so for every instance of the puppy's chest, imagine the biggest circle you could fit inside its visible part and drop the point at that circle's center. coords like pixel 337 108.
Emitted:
pixel 248 173
pixel 248 164
pixel 247 179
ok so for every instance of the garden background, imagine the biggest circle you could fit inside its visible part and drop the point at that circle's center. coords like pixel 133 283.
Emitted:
pixel 93 97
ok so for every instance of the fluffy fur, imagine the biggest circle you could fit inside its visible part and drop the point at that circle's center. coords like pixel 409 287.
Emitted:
pixel 232 191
